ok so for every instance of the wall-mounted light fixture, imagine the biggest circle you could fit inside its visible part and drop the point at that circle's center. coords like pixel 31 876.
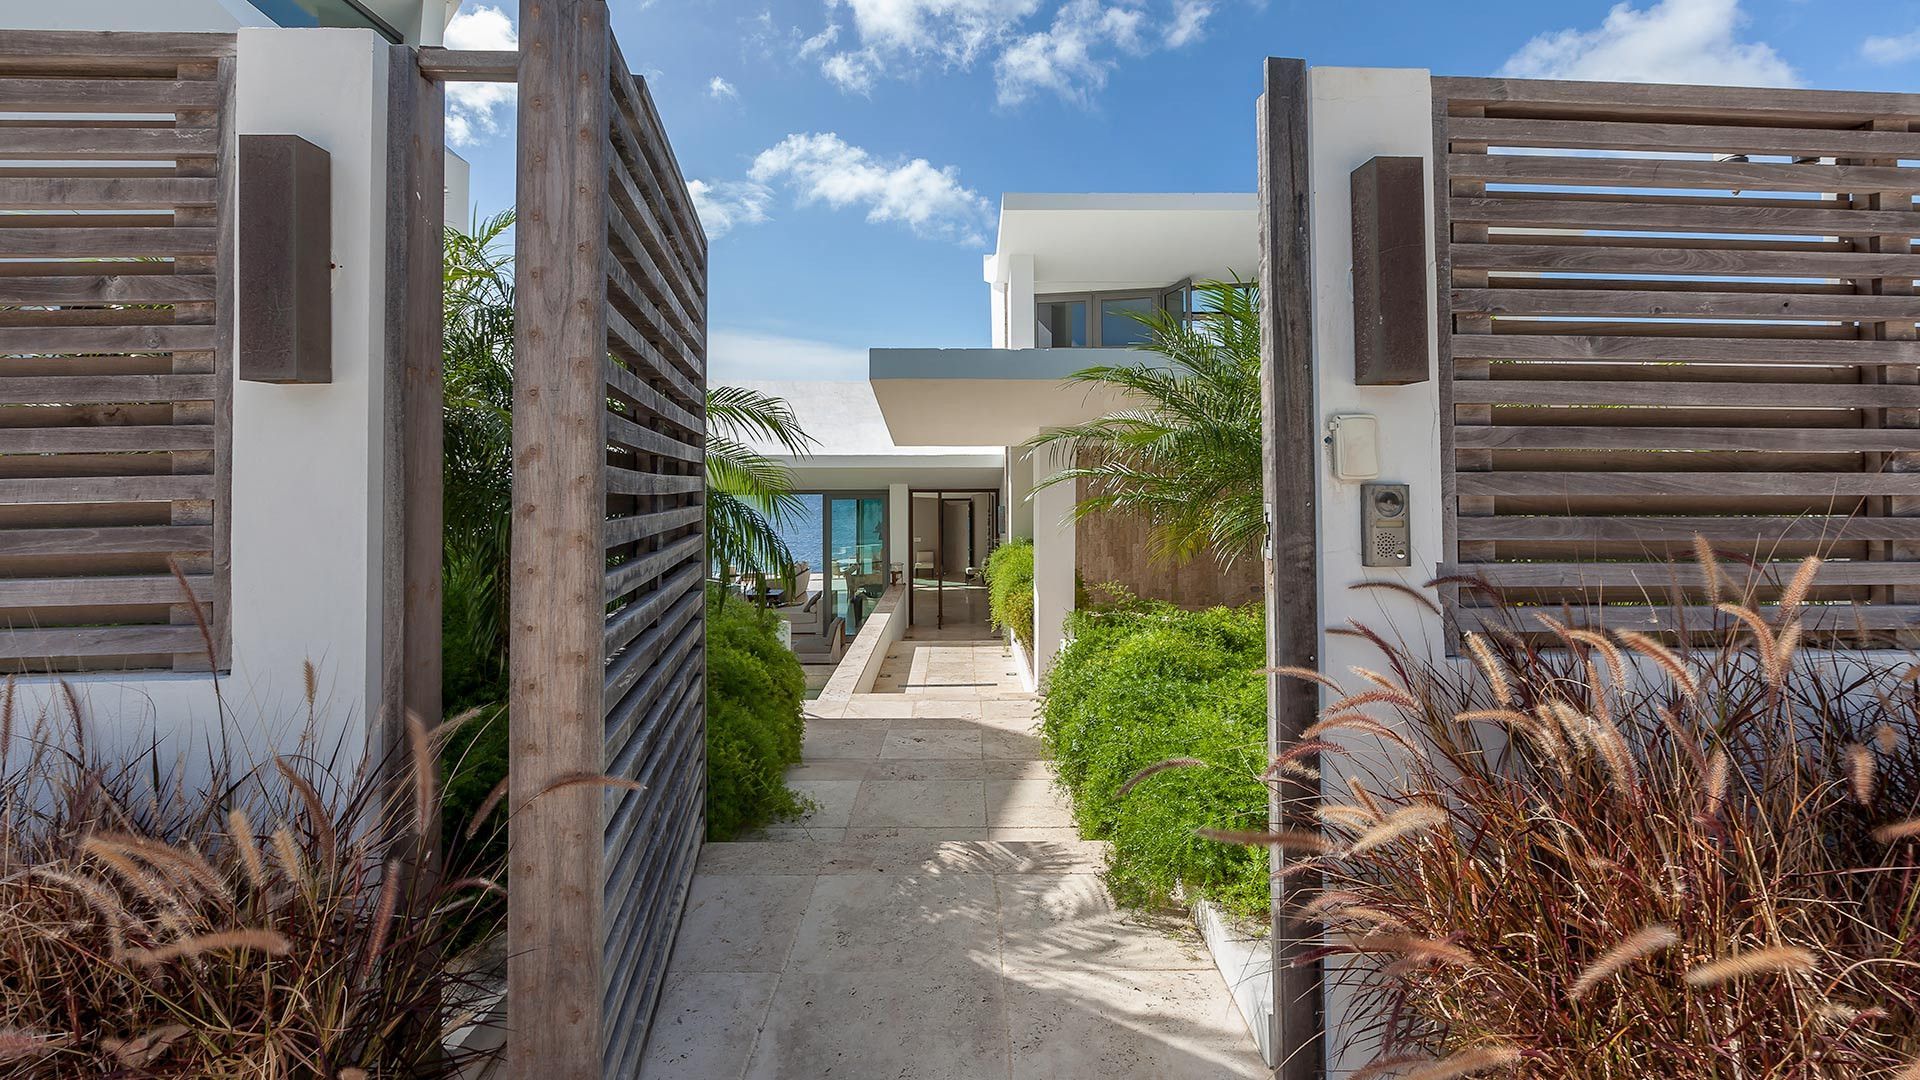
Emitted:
pixel 1390 272
pixel 285 261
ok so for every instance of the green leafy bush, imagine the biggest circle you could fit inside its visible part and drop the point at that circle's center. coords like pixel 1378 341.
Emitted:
pixel 1010 589
pixel 1139 685
pixel 754 690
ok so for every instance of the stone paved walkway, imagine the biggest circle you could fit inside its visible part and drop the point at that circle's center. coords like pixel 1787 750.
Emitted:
pixel 936 918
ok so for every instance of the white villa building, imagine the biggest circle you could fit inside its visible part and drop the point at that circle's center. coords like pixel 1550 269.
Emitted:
pixel 901 461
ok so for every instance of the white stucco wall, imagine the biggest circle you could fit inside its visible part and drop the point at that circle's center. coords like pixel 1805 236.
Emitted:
pixel 306 495
pixel 1356 114
pixel 1053 567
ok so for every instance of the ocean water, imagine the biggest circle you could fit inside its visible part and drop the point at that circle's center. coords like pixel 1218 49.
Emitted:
pixel 801 530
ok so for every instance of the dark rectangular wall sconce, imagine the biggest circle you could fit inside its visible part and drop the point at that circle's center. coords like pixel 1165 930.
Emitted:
pixel 1390 273
pixel 285 271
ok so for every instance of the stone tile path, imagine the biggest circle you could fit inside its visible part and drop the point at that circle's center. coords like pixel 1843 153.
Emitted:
pixel 936 918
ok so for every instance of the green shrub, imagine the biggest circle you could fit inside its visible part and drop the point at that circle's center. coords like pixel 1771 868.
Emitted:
pixel 1010 589
pixel 754 689
pixel 1148 682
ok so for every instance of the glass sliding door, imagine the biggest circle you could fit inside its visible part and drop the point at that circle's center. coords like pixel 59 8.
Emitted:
pixel 951 534
pixel 855 550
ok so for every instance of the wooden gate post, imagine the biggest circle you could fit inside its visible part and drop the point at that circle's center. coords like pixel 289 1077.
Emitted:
pixel 559 565
pixel 1287 441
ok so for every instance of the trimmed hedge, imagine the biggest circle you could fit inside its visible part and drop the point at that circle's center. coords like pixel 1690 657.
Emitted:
pixel 754 691
pixel 1010 589
pixel 1145 683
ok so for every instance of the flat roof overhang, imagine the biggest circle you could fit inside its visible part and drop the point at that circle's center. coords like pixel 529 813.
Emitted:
pixel 941 397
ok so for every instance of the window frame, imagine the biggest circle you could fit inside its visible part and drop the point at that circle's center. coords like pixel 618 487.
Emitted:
pixel 1156 295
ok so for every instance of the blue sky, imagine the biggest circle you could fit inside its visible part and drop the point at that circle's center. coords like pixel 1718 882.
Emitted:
pixel 849 155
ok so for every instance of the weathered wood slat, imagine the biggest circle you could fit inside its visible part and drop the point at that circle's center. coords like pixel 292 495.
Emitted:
pixel 51 592
pixel 107 439
pixel 1658 304
pixel 98 641
pixel 1555 213
pixel 110 48
pixel 106 193
pixel 630 575
pixel 649 244
pixel 1651 619
pixel 87 389
pixel 1659 576
pixel 1812 484
pixel 1679 173
pixel 624 383
pixel 1838 108
pixel 634 101
pixel 625 530
pixel 629 258
pixel 624 432
pixel 629 482
pixel 108 289
pixel 1497 391
pixel 469 65
pixel 108 95
pixel 106 540
pixel 104 489
pixel 1695 138
pixel 622 333
pixel 75 242
pixel 644 640
pixel 648 318
pixel 1651 261
pixel 1688 350
pixel 629 159
pixel 1758 531
pixel 106 144
pixel 1586 437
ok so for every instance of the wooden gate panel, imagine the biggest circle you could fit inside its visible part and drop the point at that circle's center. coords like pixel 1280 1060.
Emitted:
pixel 610 552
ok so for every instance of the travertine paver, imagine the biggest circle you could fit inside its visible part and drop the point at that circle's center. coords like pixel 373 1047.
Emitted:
pixel 936 917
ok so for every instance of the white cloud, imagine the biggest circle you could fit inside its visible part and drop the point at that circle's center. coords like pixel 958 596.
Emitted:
pixel 720 89
pixel 1683 41
pixel 1069 57
pixel 1189 22
pixel 735 356
pixel 853 72
pixel 822 167
pixel 1064 46
pixel 473 108
pixel 728 203
pixel 955 30
pixel 1891 49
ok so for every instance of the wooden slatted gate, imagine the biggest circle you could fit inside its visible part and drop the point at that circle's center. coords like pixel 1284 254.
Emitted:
pixel 115 237
pixel 608 655
pixel 1676 310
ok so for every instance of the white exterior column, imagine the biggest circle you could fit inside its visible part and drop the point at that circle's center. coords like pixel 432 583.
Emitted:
pixel 900 534
pixel 1053 568
pixel 1020 317
pixel 1357 114
pixel 1019 485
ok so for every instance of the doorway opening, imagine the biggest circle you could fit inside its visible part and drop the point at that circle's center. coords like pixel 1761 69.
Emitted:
pixel 952 534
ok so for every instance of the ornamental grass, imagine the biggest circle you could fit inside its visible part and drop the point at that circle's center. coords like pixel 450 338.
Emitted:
pixel 166 919
pixel 1607 854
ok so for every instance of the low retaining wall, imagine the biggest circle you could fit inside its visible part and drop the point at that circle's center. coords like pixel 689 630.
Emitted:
pixel 1245 961
pixel 860 664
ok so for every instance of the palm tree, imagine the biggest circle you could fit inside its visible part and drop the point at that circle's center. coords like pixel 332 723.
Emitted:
pixel 1185 453
pixel 477 350
pixel 748 493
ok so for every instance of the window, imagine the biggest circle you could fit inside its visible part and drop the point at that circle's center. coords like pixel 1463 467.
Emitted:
pixel 1120 320
pixel 348 13
pixel 1102 320
pixel 1063 324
